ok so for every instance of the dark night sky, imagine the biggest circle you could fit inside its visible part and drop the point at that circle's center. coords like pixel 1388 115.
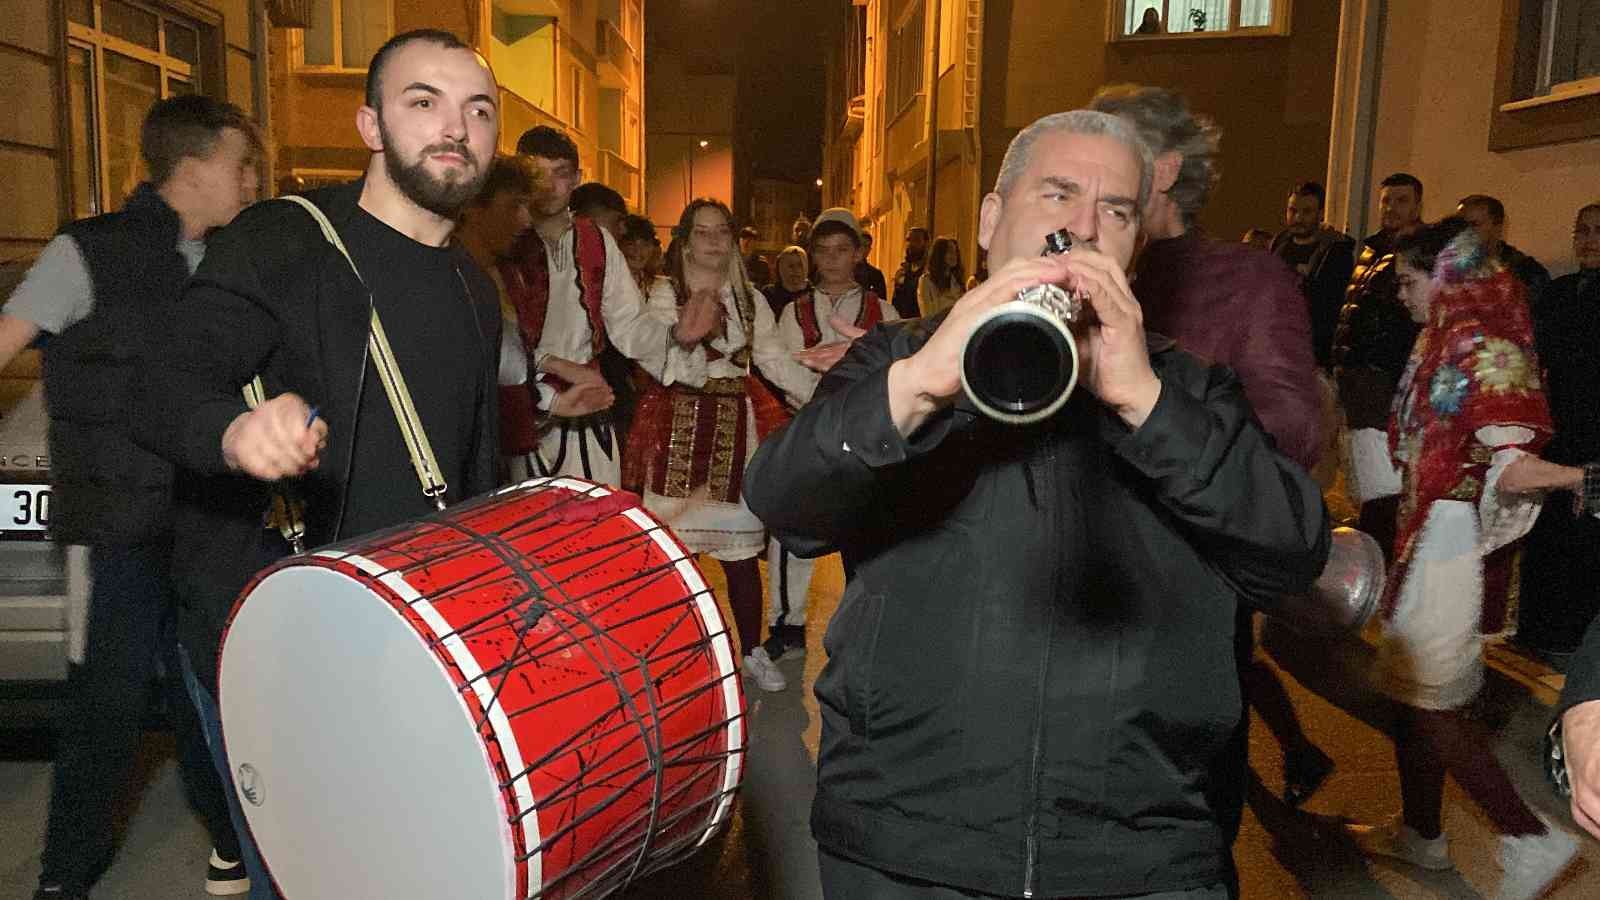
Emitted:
pixel 777 49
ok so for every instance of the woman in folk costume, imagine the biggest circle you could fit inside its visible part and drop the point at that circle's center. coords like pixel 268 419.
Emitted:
pixel 1469 414
pixel 691 439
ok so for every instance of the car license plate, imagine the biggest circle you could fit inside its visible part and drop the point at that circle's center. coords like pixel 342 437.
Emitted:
pixel 25 507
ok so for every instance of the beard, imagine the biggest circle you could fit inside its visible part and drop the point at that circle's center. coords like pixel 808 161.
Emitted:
pixel 443 196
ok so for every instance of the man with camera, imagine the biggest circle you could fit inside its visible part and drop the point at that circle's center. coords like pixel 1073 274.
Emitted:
pixel 1031 671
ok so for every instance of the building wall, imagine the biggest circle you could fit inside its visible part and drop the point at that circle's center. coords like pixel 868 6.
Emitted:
pixel 1271 96
pixel 699 107
pixel 1435 95
pixel 315 112
pixel 31 151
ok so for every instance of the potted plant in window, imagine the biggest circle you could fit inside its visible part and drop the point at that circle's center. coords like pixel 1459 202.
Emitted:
pixel 1198 17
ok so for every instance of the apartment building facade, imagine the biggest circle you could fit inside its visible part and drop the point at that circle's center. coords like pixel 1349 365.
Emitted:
pixel 925 95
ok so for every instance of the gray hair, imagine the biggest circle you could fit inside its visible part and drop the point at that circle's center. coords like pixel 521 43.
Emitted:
pixel 1165 121
pixel 1077 121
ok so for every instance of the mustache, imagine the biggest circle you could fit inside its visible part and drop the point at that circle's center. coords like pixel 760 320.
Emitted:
pixel 457 147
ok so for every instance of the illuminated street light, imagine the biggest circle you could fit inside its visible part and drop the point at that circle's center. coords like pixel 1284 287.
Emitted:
pixel 704 144
pixel 819 182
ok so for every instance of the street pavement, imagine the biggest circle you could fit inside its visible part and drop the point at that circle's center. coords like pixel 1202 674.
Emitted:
pixel 767 851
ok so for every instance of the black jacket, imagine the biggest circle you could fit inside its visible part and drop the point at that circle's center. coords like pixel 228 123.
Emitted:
pixel 1374 338
pixel 106 487
pixel 1031 670
pixel 273 297
pixel 1324 283
pixel 904 299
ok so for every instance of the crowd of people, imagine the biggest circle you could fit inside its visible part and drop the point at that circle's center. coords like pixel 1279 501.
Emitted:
pixel 1038 674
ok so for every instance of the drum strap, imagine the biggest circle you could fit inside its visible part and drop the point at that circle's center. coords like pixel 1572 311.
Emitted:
pixel 394 383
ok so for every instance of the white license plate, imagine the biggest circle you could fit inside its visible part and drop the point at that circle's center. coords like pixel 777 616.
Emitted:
pixel 24 507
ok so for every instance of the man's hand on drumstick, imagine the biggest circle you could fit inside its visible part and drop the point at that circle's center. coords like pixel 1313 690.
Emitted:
pixel 1580 739
pixel 278 439
pixel 823 357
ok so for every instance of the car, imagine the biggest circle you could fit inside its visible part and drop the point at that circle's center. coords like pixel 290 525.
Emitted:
pixel 43 585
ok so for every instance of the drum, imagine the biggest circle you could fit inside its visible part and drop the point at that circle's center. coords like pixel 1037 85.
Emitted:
pixel 532 694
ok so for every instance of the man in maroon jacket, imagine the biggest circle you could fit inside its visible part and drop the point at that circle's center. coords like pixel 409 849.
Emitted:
pixel 1242 307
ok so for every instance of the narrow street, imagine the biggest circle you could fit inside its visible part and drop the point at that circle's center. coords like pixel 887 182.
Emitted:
pixel 768 852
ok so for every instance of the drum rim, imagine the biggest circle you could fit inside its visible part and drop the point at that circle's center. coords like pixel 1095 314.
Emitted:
pixel 464 669
pixel 361 572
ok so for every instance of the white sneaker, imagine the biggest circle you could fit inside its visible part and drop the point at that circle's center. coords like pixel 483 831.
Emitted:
pixel 1397 840
pixel 1532 862
pixel 759 666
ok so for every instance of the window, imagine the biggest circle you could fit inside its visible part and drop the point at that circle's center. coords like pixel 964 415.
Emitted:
pixel 905 61
pixel 1144 19
pixel 522 50
pixel 1569 47
pixel 1547 82
pixel 632 25
pixel 122 57
pixel 344 34
pixel 575 98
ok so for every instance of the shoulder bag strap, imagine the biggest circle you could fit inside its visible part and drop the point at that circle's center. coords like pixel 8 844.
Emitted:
pixel 394 383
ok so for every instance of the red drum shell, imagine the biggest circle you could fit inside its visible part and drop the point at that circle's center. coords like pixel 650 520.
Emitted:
pixel 588 663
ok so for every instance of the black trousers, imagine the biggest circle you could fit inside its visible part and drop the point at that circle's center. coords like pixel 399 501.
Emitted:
pixel 1560 591
pixel 131 637
pixel 844 879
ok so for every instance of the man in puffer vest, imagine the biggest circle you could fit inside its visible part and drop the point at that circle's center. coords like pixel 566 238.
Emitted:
pixel 91 299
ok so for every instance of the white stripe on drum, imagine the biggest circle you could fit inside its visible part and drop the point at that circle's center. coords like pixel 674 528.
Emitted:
pixel 498 723
pixel 722 650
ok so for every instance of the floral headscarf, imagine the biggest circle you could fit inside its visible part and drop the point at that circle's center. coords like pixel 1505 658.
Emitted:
pixel 1472 366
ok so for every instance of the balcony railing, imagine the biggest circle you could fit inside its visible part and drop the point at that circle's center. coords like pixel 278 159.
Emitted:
pixel 622 176
pixel 614 57
pixel 855 117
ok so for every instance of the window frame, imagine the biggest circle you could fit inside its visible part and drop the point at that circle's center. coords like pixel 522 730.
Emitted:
pixel 896 104
pixel 575 97
pixel 297 45
pixel 1282 16
pixel 1519 117
pixel 98 42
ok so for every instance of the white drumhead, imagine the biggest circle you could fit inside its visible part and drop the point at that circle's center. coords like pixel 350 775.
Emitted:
pixel 356 760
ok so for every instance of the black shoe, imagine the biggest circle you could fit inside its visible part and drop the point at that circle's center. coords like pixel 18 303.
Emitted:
pixel 57 892
pixel 793 634
pixel 1304 771
pixel 226 879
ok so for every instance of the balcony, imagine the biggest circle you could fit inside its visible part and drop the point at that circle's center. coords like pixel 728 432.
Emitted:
pixel 614 58
pixel 621 176
pixel 855 116
pixel 550 8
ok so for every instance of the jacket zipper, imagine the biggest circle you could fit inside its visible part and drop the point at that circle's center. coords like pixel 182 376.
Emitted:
pixel 1050 495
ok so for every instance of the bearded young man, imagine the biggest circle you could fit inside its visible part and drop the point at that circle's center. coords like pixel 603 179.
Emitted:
pixel 275 298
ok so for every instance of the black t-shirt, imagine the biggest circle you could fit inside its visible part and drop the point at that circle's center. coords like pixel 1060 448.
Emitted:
pixel 437 344
pixel 1298 256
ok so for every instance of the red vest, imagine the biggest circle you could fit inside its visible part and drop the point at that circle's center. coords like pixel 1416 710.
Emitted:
pixel 527 279
pixel 805 313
